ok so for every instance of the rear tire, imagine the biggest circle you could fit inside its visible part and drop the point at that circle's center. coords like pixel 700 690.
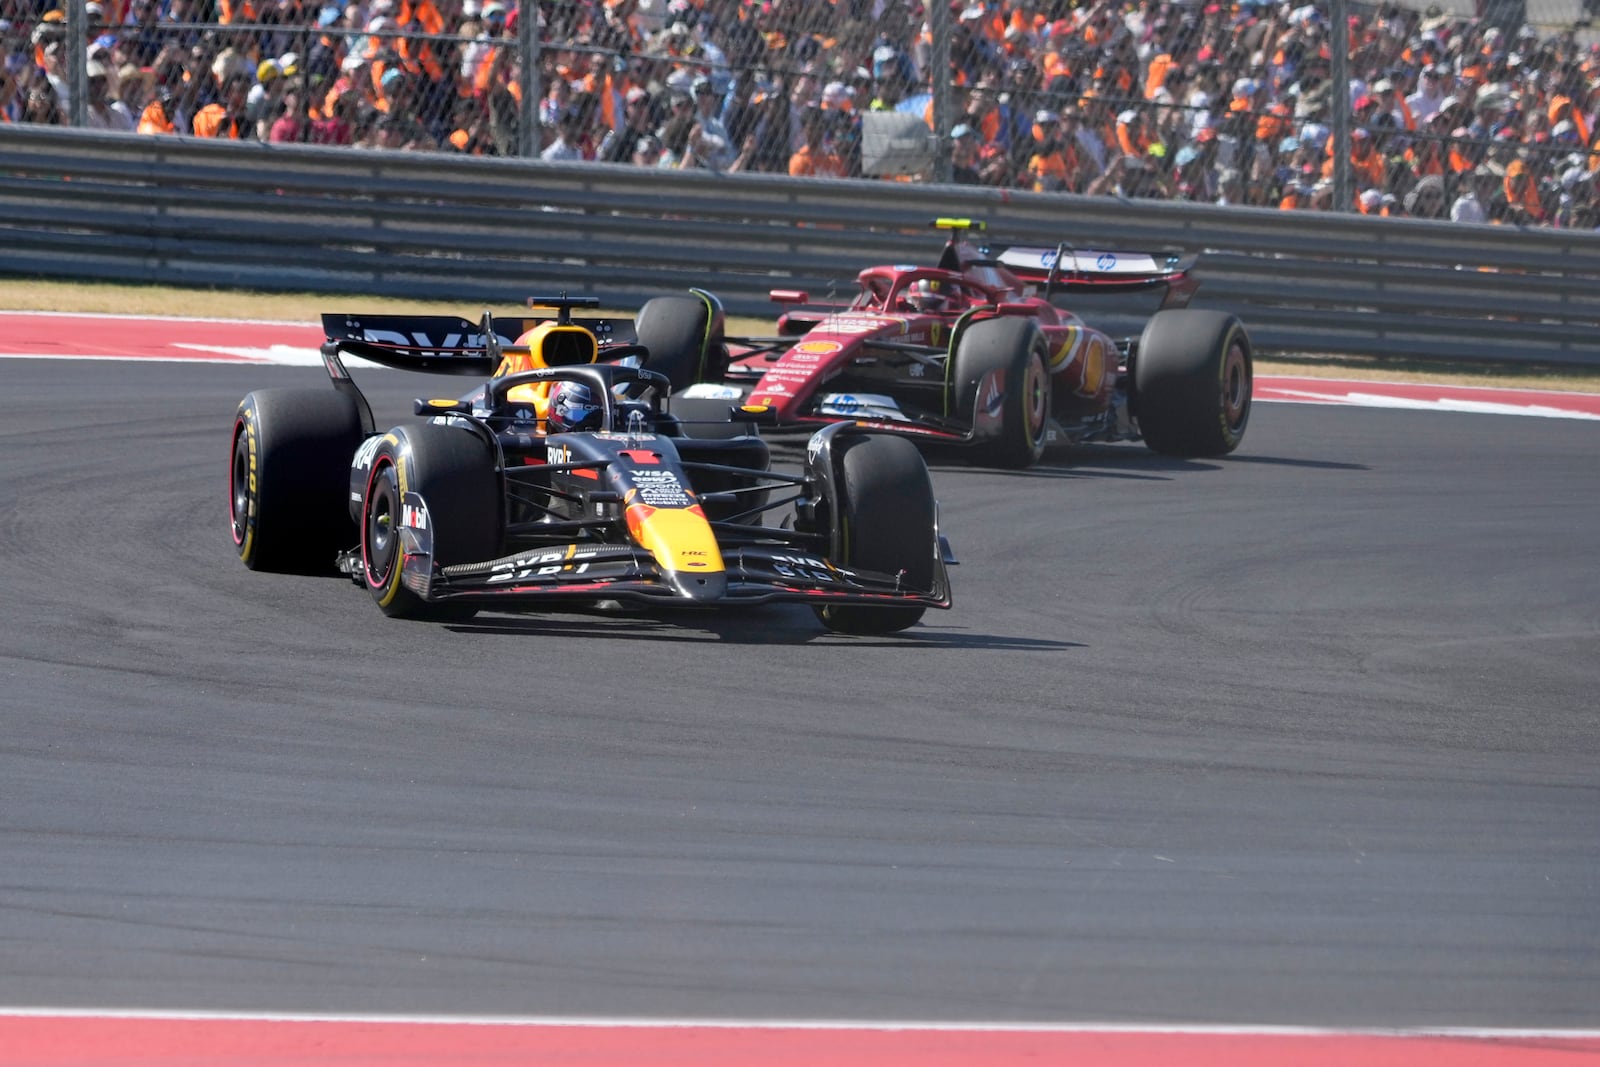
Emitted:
pixel 1015 348
pixel 453 470
pixel 289 479
pixel 886 523
pixel 1192 380
pixel 685 339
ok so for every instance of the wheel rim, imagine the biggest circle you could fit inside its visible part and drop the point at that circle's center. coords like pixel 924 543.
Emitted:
pixel 1235 386
pixel 379 536
pixel 239 486
pixel 1036 397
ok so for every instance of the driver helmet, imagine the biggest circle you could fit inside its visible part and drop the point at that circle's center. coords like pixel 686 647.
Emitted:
pixel 573 407
pixel 927 294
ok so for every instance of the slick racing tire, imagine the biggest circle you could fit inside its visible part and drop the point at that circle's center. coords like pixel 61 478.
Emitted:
pixel 1013 423
pixel 1192 378
pixel 685 339
pixel 453 470
pixel 885 523
pixel 289 479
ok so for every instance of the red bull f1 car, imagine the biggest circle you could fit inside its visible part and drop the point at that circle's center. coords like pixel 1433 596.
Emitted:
pixel 973 351
pixel 566 476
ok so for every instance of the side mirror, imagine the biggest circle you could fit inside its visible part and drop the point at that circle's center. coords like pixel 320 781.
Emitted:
pixel 755 414
pixel 440 406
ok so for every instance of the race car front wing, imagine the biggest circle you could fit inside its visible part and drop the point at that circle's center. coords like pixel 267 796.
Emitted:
pixel 753 574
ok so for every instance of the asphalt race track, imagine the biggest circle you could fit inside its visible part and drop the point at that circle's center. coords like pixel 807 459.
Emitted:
pixel 1303 737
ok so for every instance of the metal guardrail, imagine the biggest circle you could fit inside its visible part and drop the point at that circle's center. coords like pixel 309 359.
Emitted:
pixel 94 206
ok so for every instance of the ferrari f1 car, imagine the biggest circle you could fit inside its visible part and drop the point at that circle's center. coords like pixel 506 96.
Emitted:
pixel 973 351
pixel 566 477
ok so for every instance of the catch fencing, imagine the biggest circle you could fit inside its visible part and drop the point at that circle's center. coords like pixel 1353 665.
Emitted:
pixel 95 206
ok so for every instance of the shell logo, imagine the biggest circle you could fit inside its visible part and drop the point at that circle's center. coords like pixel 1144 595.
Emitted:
pixel 818 348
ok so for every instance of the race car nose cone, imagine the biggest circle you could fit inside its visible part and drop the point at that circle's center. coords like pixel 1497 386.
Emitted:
pixel 701 588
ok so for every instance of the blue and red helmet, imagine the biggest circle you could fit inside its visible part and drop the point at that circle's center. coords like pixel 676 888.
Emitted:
pixel 573 407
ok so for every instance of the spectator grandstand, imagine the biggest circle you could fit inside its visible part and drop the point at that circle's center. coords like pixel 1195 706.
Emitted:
pixel 1454 116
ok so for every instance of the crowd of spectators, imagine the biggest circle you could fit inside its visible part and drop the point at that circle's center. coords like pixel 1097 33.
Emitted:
pixel 1203 100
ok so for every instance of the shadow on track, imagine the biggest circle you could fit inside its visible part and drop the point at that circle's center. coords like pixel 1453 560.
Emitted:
pixel 739 626
pixel 1303 464
pixel 1116 461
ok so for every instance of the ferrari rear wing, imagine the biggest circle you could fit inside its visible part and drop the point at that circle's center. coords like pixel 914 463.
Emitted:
pixel 1065 269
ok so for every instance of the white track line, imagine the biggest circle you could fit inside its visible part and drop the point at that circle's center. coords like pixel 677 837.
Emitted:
pixel 804 1024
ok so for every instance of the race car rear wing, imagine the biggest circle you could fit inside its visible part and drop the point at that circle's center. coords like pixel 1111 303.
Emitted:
pixel 448 344
pixel 1064 269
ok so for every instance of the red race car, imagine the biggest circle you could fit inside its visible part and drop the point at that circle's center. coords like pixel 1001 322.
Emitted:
pixel 973 352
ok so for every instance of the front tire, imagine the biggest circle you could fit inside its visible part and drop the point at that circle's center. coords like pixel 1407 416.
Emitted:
pixel 1192 380
pixel 1012 423
pixel 685 337
pixel 453 470
pixel 288 479
pixel 885 522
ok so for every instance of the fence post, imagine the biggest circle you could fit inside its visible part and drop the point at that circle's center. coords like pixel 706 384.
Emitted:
pixel 1339 70
pixel 77 48
pixel 528 140
pixel 938 75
